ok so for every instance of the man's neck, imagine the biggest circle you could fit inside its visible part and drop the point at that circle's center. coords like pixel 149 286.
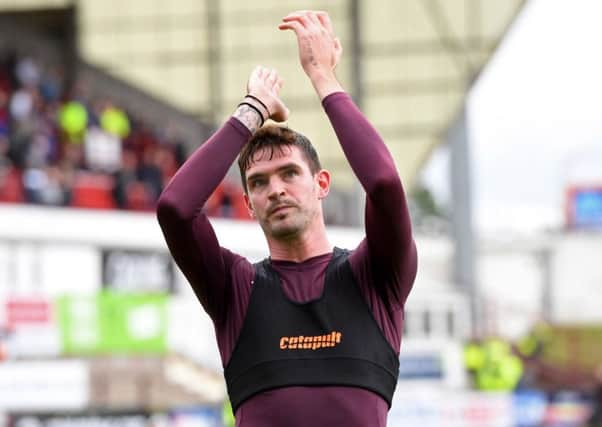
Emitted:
pixel 308 245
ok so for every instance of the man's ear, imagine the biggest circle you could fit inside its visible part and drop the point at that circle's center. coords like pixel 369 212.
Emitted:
pixel 323 181
pixel 245 197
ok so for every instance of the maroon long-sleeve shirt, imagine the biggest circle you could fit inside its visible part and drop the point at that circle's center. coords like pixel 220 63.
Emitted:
pixel 222 279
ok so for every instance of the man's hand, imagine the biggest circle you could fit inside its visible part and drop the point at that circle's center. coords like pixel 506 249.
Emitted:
pixel 264 84
pixel 319 49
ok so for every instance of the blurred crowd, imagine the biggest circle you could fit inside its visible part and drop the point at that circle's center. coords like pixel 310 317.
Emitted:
pixel 61 147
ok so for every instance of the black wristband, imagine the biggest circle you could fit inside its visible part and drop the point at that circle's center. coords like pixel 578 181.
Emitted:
pixel 259 100
pixel 256 110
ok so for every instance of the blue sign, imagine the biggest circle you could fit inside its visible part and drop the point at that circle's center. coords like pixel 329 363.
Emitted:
pixel 587 208
pixel 207 416
pixel 416 367
pixel 529 408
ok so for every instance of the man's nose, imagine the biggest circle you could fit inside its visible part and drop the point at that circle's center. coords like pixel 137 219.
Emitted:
pixel 276 189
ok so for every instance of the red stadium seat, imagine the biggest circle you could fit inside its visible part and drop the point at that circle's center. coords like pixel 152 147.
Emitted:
pixel 138 197
pixel 93 191
pixel 239 207
pixel 11 188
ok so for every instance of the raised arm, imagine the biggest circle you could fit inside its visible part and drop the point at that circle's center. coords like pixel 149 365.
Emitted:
pixel 388 250
pixel 189 235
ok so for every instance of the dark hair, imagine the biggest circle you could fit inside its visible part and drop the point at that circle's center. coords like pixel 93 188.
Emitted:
pixel 273 138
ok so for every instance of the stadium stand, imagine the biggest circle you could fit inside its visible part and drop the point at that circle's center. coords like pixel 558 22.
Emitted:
pixel 62 146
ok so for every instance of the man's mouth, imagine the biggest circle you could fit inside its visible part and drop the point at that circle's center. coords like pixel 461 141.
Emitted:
pixel 279 209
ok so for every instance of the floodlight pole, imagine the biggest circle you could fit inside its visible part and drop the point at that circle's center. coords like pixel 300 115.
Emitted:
pixel 357 91
pixel 461 218
pixel 214 59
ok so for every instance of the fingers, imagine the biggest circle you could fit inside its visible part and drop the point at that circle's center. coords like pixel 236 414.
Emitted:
pixel 325 21
pixel 267 76
pixel 337 46
pixel 313 20
pixel 310 19
pixel 274 81
pixel 304 19
pixel 264 73
pixel 299 13
pixel 296 26
pixel 277 85
pixel 271 76
pixel 258 72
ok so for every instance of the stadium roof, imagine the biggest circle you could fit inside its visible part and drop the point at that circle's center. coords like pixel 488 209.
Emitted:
pixel 409 63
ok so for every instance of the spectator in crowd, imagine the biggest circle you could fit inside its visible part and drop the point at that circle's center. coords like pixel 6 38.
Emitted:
pixel 52 136
pixel 595 419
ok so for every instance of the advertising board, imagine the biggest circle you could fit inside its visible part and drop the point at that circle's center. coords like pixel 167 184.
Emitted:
pixel 44 385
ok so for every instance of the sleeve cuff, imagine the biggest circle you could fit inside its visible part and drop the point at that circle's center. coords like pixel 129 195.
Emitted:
pixel 334 97
pixel 239 127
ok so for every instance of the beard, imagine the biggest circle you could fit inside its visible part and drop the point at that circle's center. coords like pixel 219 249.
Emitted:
pixel 288 224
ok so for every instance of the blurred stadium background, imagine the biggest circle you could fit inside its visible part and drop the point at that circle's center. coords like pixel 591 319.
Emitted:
pixel 100 102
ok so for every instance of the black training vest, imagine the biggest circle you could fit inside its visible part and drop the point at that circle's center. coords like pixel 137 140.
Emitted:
pixel 330 341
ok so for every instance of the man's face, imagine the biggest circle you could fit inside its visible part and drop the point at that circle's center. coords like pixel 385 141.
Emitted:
pixel 283 194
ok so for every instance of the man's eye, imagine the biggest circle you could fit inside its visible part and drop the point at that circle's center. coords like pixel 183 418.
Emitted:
pixel 257 183
pixel 290 173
